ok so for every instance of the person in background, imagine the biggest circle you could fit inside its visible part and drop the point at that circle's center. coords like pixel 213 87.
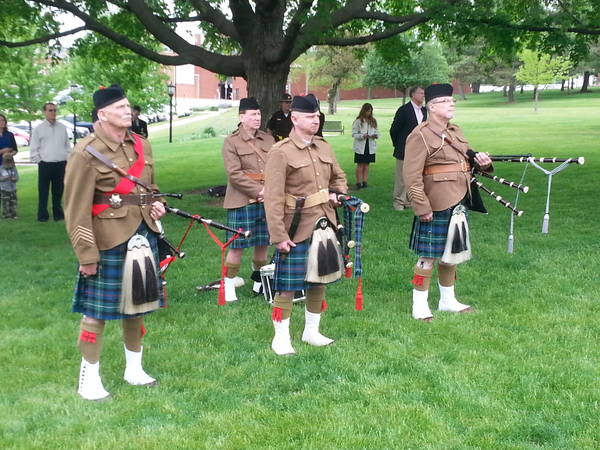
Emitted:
pixel 280 123
pixel 8 186
pixel 8 144
pixel 49 148
pixel 138 125
pixel 245 153
pixel 406 119
pixel 365 133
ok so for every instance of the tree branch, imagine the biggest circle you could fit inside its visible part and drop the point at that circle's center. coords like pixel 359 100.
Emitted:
pixel 41 39
pixel 217 18
pixel 587 30
pixel 227 65
pixel 294 26
pixel 360 40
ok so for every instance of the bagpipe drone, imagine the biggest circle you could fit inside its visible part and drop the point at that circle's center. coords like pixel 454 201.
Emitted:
pixel 528 159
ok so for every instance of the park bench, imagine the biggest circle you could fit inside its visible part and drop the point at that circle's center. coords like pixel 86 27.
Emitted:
pixel 333 126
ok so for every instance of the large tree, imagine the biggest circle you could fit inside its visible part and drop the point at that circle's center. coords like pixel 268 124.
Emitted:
pixel 259 39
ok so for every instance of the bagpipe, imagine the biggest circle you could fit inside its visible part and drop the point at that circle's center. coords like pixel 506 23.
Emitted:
pixel 350 232
pixel 528 159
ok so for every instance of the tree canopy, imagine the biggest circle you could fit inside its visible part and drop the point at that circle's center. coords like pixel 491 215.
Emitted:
pixel 259 40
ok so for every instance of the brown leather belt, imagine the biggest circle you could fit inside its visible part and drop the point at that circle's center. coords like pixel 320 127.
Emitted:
pixel 255 176
pixel 117 200
pixel 463 166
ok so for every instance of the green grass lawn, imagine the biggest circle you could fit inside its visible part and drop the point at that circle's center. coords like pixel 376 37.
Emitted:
pixel 520 373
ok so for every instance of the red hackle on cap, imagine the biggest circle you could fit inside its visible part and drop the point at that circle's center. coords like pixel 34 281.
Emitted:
pixel 277 314
pixel 359 296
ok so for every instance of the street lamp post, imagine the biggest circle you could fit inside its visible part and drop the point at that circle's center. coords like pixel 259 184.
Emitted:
pixel 171 92
pixel 74 88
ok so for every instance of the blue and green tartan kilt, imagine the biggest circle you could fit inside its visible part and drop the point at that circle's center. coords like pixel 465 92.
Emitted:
pixel 428 239
pixel 99 296
pixel 290 272
pixel 250 217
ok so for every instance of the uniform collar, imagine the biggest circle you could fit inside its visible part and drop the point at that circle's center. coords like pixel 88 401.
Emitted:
pixel 298 141
pixel 100 134
pixel 246 136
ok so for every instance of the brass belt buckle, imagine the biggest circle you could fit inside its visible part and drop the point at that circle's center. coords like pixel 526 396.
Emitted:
pixel 115 201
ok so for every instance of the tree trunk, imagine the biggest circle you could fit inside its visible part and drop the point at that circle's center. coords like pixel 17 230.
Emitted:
pixel 332 96
pixel 586 81
pixel 476 88
pixel 521 90
pixel 267 85
pixel 504 89
pixel 403 96
pixel 535 99
pixel 461 91
pixel 562 85
pixel 511 92
pixel 369 93
pixel 572 83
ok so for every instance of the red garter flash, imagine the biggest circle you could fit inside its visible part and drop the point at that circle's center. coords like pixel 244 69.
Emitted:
pixel 143 330
pixel 418 280
pixel 87 336
pixel 323 305
pixel 277 314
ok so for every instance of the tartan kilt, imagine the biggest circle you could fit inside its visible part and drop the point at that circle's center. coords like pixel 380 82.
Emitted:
pixel 290 273
pixel 99 296
pixel 428 239
pixel 250 217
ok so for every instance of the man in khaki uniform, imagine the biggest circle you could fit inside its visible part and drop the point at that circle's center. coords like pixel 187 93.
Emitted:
pixel 103 211
pixel 301 168
pixel 437 176
pixel 244 155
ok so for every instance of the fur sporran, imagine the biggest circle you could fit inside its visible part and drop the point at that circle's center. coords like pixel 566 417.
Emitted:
pixel 139 290
pixel 458 245
pixel 324 255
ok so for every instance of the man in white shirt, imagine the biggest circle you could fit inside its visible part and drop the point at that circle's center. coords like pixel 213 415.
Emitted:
pixel 406 119
pixel 49 148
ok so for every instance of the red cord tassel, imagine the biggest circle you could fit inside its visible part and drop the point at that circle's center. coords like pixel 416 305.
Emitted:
pixel 418 280
pixel 277 314
pixel 359 295
pixel 143 330
pixel 323 305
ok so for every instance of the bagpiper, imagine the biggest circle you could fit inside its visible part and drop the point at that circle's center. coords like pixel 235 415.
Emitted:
pixel 111 224
pixel 244 155
pixel 437 173
pixel 302 180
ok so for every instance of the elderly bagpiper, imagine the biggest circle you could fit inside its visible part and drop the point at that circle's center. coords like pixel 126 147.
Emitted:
pixel 111 224
pixel 244 155
pixel 302 179
pixel 437 173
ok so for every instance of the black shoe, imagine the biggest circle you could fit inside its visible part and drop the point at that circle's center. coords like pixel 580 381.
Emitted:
pixel 364 184
pixel 359 185
pixel 41 219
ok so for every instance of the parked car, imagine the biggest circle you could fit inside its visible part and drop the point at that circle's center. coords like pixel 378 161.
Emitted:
pixel 80 132
pixel 21 136
pixel 80 123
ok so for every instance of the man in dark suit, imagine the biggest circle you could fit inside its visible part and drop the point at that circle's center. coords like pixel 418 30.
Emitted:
pixel 406 119
pixel 138 125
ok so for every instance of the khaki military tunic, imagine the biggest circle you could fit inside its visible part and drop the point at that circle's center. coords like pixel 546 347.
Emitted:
pixel 85 176
pixel 300 169
pixel 243 155
pixel 438 191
